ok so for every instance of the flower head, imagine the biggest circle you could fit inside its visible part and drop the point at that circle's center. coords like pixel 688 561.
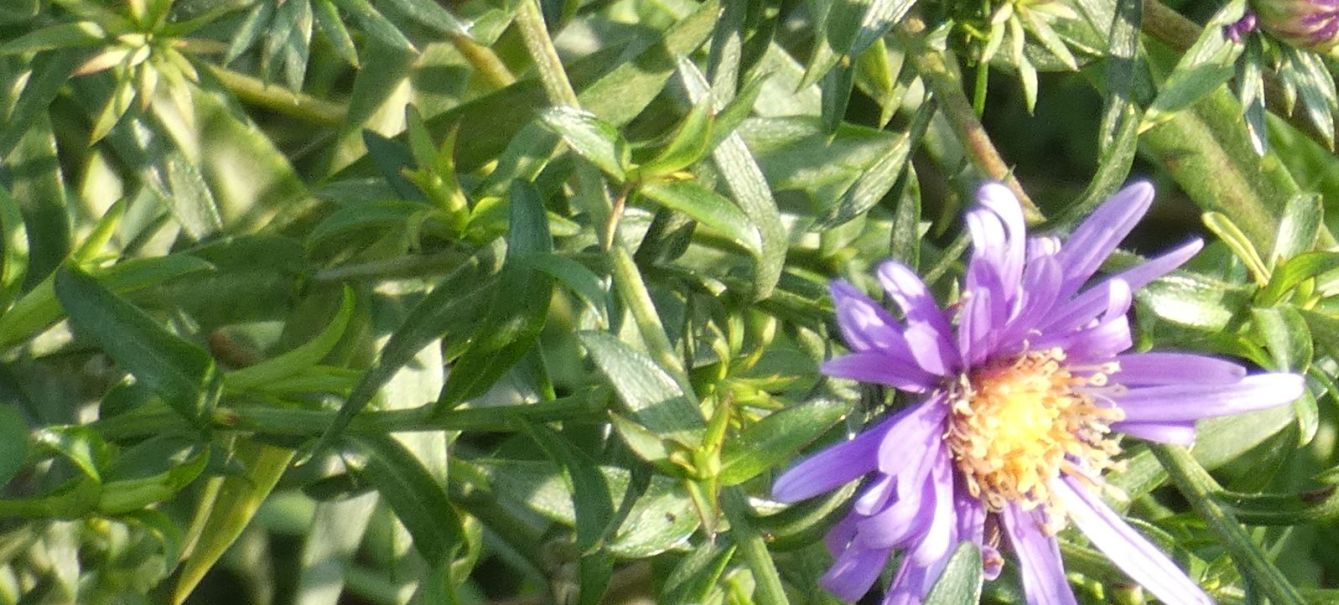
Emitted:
pixel 1021 400
pixel 1308 24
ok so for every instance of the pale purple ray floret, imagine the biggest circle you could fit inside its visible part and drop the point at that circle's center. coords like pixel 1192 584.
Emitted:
pixel 1022 390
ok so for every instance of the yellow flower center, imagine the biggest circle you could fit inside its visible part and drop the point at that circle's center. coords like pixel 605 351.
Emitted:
pixel 1015 426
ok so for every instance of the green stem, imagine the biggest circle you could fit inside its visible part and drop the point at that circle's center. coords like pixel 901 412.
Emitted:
pixel 767 590
pixel 1199 488
pixel 588 405
pixel 395 268
pixel 484 60
pixel 530 22
pixel 632 290
pixel 942 78
pixel 279 99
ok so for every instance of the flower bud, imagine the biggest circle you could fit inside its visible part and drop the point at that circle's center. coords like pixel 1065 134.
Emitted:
pixel 1308 24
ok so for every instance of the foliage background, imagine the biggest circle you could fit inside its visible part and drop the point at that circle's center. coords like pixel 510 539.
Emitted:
pixel 376 301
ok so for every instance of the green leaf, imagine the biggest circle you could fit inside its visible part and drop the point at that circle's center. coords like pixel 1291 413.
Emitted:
pixel 14 243
pixel 520 306
pixel 456 300
pixel 871 187
pixel 416 498
pixel 649 394
pixel 850 27
pixel 299 359
pixel 707 207
pixel 377 26
pixel 1207 65
pixel 744 178
pixel 1298 227
pixel 327 17
pixel 1232 235
pixel 1194 301
pixel 960 582
pixel 13 442
pixel 590 137
pixel 1294 271
pixel 385 215
pixel 751 545
pixel 225 509
pixel 61 35
pixel 776 438
pixel 690 142
pixel 697 574
pixel 431 14
pixel 39 309
pixel 181 373
pixel 81 445
pixel 590 493
pixel 1284 331
pixel 577 278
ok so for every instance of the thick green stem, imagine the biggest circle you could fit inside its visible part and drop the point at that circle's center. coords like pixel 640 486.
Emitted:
pixel 1199 488
pixel 530 22
pixel 943 79
pixel 768 590
pixel 632 290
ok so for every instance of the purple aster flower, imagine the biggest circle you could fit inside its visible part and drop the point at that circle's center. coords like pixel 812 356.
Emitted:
pixel 1020 401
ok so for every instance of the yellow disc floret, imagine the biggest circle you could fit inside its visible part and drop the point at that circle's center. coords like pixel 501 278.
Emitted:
pixel 1015 426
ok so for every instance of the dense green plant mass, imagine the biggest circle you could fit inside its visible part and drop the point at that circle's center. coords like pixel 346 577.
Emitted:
pixel 383 301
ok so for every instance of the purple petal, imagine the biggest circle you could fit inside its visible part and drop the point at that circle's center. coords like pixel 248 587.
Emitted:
pixel 975 325
pixel 972 526
pixel 1008 214
pixel 1194 400
pixel 910 293
pixel 900 521
pixel 914 438
pixel 854 572
pixel 1041 284
pixel 1128 550
pixel 1038 554
pixel 834 466
pixel 880 368
pixel 1100 342
pixel 936 544
pixel 913 581
pixel 1042 245
pixel 1148 369
pixel 865 325
pixel 840 536
pixel 1090 303
pixel 875 496
pixel 1097 237
pixel 1179 433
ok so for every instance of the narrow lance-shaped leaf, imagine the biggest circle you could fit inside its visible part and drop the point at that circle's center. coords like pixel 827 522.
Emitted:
pixel 416 498
pixel 776 438
pixel 960 582
pixel 1298 227
pixel 520 307
pixel 1207 65
pixel 225 509
pixel 743 176
pixel 590 494
pixel 182 373
pixel 707 207
pixel 590 137
pixel 652 397
pixel 450 301
pixel 300 358
pixel 874 184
